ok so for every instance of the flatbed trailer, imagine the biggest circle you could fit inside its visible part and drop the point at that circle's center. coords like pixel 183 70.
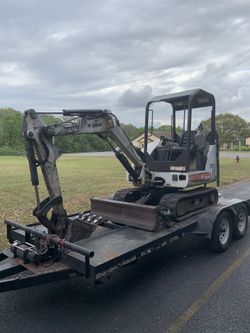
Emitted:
pixel 114 245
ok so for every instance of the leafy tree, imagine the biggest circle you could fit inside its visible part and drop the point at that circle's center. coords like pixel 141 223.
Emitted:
pixel 10 128
pixel 230 128
pixel 132 131
pixel 167 128
pixel 50 119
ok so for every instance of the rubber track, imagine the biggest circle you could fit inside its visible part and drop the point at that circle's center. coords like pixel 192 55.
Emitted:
pixel 187 203
pixel 122 194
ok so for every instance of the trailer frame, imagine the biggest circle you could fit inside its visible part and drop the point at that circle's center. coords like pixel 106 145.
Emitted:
pixel 111 247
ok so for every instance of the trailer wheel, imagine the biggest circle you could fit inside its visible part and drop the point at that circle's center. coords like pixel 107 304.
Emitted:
pixel 222 232
pixel 240 224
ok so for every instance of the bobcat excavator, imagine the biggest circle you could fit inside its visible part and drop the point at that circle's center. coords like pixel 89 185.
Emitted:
pixel 184 160
pixel 169 198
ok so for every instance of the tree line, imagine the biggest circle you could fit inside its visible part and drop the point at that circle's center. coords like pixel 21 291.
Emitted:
pixel 231 129
pixel 11 141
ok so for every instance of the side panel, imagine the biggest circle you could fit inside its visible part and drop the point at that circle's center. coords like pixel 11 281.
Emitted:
pixel 211 164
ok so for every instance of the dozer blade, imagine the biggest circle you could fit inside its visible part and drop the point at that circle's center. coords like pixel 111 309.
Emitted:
pixel 131 214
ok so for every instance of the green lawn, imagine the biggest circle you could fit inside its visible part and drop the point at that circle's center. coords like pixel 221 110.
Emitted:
pixel 81 178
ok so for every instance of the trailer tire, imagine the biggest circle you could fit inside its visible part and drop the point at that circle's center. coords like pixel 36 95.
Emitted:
pixel 240 224
pixel 222 232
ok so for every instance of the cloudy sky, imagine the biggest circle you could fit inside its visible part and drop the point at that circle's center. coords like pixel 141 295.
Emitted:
pixel 118 54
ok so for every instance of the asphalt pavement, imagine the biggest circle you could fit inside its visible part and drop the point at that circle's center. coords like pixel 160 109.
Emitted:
pixel 229 154
pixel 182 288
pixel 233 154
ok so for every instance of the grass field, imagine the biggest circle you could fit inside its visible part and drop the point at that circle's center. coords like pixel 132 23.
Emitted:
pixel 81 178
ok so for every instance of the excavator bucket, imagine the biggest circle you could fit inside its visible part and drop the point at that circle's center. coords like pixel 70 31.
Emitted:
pixel 131 214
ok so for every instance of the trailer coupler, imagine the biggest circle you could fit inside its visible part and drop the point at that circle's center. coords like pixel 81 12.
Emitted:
pixel 52 238
pixel 30 253
pixel 14 275
pixel 27 263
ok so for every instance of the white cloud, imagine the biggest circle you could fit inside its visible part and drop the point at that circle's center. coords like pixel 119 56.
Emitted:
pixel 12 74
pixel 135 99
pixel 117 54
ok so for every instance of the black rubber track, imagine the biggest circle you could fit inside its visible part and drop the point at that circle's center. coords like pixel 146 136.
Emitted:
pixel 187 203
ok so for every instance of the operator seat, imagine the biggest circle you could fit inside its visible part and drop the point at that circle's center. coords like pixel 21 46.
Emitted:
pixel 184 139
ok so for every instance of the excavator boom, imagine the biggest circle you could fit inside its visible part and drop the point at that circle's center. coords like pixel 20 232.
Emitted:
pixel 41 151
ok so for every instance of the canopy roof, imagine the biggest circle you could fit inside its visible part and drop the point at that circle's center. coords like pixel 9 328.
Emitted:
pixel 199 98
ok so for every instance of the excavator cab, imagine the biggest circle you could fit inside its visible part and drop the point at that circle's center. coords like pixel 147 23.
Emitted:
pixel 189 156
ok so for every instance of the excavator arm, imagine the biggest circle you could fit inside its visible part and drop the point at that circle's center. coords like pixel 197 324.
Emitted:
pixel 42 152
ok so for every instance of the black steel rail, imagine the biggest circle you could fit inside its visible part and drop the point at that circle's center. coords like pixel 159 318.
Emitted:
pixel 68 245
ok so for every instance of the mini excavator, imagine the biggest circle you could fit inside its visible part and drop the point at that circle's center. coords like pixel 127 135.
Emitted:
pixel 171 178
pixel 169 200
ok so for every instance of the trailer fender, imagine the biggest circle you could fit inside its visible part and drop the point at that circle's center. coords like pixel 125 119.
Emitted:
pixel 207 219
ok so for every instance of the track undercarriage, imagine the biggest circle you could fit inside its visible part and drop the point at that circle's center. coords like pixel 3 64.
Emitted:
pixel 147 208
